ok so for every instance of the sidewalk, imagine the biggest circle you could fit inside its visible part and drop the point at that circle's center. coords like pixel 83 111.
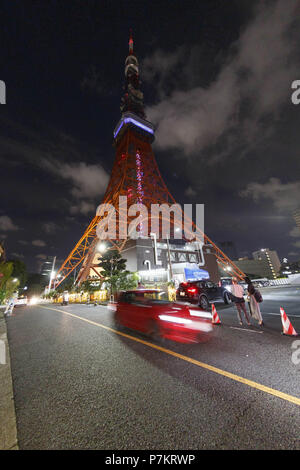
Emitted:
pixel 8 429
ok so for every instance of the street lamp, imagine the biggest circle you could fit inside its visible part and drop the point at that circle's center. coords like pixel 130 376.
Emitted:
pixel 52 274
pixel 102 247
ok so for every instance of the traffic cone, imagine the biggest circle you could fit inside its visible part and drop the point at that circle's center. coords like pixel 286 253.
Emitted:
pixel 288 328
pixel 215 317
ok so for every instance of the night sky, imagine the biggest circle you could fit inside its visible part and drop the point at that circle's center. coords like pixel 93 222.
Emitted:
pixel 217 81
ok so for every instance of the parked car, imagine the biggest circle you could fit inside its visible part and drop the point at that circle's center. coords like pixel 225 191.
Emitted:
pixel 21 301
pixel 202 293
pixel 144 311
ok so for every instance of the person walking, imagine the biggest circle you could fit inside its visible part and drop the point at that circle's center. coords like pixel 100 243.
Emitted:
pixel 237 297
pixel 253 295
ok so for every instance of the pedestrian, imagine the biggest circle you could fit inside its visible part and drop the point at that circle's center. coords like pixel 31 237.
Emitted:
pixel 253 296
pixel 237 296
pixel 9 307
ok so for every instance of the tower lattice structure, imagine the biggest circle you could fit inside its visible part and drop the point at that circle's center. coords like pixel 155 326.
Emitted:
pixel 136 176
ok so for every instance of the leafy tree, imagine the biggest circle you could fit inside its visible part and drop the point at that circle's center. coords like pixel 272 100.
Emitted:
pixel 19 272
pixel 11 287
pixel 6 270
pixel 125 281
pixel 113 269
pixel 67 284
pixel 90 286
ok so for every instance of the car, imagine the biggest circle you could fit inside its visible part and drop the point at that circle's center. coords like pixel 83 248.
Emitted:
pixel 145 311
pixel 21 301
pixel 203 293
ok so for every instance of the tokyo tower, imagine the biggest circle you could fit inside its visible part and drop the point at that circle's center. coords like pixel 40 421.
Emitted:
pixel 135 176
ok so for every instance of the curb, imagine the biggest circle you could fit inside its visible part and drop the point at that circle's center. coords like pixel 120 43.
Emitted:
pixel 8 428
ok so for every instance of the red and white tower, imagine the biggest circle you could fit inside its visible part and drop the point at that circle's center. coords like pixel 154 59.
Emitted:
pixel 135 175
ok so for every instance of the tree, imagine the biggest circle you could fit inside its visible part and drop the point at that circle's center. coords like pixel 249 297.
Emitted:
pixel 67 284
pixel 91 286
pixel 19 271
pixel 113 269
pixel 6 270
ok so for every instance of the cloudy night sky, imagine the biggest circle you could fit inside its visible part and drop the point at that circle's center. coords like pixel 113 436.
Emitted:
pixel 216 77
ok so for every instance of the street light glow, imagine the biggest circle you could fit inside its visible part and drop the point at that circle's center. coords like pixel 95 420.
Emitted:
pixel 102 247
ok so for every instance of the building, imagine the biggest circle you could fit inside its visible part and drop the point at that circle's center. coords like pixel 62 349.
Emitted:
pixel 46 266
pixel 161 261
pixel 271 257
pixel 255 268
pixel 296 216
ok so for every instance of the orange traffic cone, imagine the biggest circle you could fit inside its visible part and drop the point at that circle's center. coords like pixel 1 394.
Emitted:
pixel 288 328
pixel 215 317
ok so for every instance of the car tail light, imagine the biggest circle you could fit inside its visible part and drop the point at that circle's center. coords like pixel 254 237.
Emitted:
pixel 192 290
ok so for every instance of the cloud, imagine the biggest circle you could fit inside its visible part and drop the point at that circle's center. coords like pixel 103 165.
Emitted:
pixel 41 256
pixel 6 224
pixel 297 244
pixel 293 253
pixel 23 242
pixel 89 181
pixel 252 84
pixel 48 152
pixel 284 196
pixel 161 68
pixel 190 192
pixel 17 255
pixel 50 227
pixel 39 243
pixel 83 207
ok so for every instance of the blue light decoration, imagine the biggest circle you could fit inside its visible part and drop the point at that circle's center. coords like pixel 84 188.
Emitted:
pixel 127 120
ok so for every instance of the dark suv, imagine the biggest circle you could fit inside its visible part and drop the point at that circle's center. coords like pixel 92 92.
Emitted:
pixel 202 293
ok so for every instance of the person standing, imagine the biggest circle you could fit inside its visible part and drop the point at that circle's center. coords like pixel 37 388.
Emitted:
pixel 253 304
pixel 237 292
pixel 9 307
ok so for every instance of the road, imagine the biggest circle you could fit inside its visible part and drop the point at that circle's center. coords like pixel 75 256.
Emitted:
pixel 80 384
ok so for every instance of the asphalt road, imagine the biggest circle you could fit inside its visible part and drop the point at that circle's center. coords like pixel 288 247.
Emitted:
pixel 79 384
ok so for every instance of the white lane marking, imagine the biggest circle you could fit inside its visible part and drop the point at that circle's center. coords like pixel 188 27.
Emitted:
pixel 245 329
pixel 278 314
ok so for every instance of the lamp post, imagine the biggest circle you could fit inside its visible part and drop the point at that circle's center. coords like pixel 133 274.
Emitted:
pixel 169 256
pixel 52 274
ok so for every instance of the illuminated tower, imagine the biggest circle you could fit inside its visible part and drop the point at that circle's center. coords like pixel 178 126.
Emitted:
pixel 135 175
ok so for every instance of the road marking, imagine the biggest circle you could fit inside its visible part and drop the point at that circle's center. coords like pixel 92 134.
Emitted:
pixel 245 329
pixel 278 314
pixel 224 373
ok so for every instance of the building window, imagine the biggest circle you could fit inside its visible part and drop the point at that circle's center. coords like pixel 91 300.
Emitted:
pixel 182 257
